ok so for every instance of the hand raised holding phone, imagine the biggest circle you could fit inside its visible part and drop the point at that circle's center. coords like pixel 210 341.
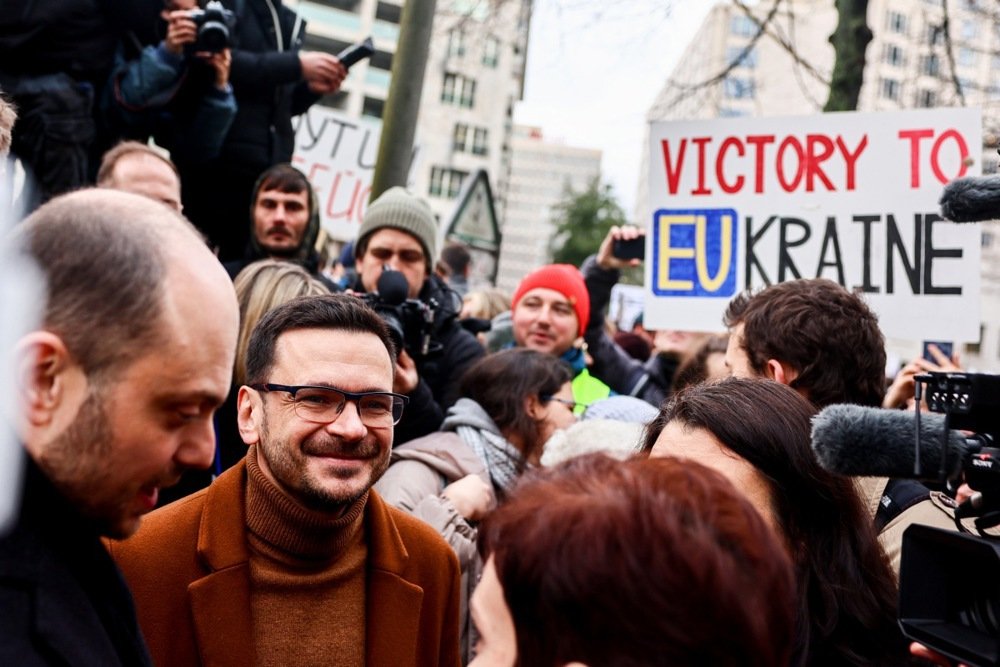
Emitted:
pixel 623 247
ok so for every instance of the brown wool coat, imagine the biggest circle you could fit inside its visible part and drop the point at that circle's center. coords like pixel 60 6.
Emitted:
pixel 188 568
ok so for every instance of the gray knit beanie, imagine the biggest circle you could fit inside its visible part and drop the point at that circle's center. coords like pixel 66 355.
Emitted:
pixel 398 209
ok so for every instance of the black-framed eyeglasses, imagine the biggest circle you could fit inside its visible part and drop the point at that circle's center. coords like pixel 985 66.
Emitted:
pixel 565 401
pixel 323 405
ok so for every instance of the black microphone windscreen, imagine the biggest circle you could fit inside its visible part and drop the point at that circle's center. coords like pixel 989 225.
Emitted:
pixel 392 287
pixel 971 199
pixel 873 442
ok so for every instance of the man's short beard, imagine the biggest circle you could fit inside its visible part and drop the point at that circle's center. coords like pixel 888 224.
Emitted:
pixel 78 461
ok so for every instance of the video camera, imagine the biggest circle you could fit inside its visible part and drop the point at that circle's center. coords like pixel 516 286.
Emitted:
pixel 215 25
pixel 949 583
pixel 410 321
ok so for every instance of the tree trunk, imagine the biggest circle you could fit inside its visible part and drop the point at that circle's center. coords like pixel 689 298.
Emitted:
pixel 850 41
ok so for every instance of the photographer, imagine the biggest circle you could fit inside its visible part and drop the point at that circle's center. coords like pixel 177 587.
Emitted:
pixel 177 91
pixel 273 80
pixel 399 232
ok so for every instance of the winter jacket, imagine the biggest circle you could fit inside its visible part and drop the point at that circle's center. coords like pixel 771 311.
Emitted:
pixel 267 80
pixel 648 380
pixel 62 599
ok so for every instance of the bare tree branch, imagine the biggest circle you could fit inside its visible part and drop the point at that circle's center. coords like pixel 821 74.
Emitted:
pixel 950 53
pixel 686 89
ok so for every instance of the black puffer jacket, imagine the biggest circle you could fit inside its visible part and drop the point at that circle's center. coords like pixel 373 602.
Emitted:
pixel 267 80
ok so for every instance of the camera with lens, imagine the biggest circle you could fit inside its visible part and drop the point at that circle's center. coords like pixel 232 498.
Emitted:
pixel 949 582
pixel 215 25
pixel 410 321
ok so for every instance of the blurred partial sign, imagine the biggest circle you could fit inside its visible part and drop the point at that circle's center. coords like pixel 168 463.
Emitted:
pixel 474 223
pixel 337 153
pixel 745 202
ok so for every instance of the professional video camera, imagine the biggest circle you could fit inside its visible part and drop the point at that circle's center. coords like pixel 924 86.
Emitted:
pixel 949 583
pixel 215 25
pixel 411 321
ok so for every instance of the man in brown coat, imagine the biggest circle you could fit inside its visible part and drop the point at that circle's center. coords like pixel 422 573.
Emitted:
pixel 289 558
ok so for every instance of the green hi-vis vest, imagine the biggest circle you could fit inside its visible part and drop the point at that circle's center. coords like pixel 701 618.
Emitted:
pixel 587 389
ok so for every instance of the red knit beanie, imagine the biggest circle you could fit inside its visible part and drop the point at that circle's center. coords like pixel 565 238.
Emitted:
pixel 565 279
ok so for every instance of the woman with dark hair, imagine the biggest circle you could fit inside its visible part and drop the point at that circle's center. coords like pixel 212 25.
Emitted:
pixel 603 562
pixel 513 401
pixel 757 433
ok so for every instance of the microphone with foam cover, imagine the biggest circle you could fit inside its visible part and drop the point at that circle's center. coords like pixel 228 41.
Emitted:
pixel 392 287
pixel 971 199
pixel 873 442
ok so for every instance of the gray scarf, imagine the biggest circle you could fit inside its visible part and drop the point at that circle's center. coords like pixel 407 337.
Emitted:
pixel 502 459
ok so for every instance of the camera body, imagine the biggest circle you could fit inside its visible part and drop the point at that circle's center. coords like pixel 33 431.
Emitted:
pixel 410 321
pixel 949 582
pixel 215 26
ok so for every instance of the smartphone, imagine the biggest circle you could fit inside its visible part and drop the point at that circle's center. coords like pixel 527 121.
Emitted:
pixel 946 348
pixel 631 249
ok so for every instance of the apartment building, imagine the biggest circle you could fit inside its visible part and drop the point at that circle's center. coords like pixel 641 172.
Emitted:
pixel 475 74
pixel 541 174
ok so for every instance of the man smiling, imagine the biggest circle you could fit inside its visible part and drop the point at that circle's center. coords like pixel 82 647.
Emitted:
pixel 303 562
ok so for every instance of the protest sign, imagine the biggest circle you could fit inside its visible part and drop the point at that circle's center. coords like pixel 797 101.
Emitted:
pixel 337 154
pixel 853 197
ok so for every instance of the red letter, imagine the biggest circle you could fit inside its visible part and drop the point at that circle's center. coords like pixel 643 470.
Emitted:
pixel 815 160
pixel 759 141
pixel 701 189
pixel 851 158
pixel 963 153
pixel 673 170
pixel 726 187
pixel 794 144
pixel 915 136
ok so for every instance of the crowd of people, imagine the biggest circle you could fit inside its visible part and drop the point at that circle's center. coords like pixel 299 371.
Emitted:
pixel 388 465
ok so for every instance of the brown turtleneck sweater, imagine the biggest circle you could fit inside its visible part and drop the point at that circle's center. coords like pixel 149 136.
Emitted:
pixel 307 578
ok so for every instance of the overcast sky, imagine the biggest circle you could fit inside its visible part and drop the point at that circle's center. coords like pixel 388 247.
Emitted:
pixel 594 68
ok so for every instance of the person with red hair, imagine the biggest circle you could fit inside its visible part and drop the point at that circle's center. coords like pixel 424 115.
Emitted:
pixel 641 562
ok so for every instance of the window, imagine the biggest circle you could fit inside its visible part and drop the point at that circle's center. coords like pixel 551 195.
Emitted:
pixel 749 60
pixel 479 146
pixel 930 65
pixel 967 57
pixel 742 25
pixel 729 112
pixel 446 182
pixel 456 42
pixel 926 98
pixel 890 89
pixel 737 88
pixel 935 35
pixel 987 239
pixel 458 90
pixel 969 30
pixel 893 55
pixel 459 137
pixel 896 22
pixel 491 51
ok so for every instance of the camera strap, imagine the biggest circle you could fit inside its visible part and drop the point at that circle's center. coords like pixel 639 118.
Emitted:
pixel 899 495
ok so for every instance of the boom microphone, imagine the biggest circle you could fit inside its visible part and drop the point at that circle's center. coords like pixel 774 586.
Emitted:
pixel 874 442
pixel 392 287
pixel 971 199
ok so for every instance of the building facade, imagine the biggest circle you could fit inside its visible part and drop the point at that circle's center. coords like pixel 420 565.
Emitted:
pixel 474 75
pixel 541 175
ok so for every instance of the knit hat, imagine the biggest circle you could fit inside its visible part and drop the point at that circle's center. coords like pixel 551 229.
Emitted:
pixel 396 208
pixel 565 279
